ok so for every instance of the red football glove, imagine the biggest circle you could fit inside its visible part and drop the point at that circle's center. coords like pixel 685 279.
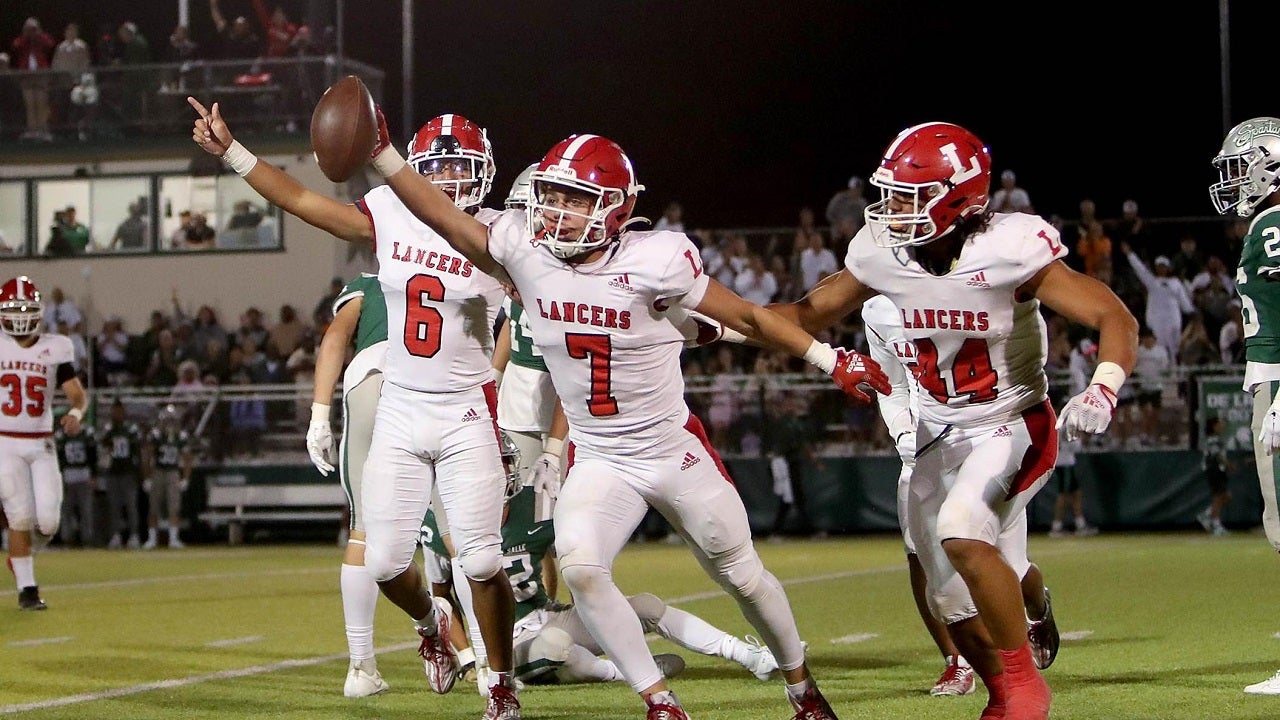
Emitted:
pixel 384 135
pixel 854 369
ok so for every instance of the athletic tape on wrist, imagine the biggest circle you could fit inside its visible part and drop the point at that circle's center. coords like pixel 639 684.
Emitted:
pixel 821 356
pixel 1109 375
pixel 238 158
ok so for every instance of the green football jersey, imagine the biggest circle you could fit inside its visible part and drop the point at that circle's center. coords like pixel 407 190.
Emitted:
pixel 372 326
pixel 77 452
pixel 524 544
pixel 169 447
pixel 523 353
pixel 1259 296
pixel 124 443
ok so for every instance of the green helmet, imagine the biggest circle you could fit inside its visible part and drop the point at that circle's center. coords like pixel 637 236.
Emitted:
pixel 1248 166
pixel 518 198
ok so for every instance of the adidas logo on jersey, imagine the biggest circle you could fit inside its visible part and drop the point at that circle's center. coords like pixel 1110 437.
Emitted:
pixel 622 282
pixel 1003 431
pixel 471 415
pixel 689 461
pixel 979 279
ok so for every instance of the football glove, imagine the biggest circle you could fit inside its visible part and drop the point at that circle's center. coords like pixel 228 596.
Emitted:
pixel 546 475
pixel 320 440
pixel 1089 412
pixel 853 369
pixel 1269 434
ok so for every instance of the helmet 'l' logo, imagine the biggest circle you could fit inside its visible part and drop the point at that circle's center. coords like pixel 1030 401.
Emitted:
pixel 961 173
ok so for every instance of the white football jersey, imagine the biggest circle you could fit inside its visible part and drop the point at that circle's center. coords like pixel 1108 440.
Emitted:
pixel 603 330
pixel 440 307
pixel 28 382
pixel 896 354
pixel 980 349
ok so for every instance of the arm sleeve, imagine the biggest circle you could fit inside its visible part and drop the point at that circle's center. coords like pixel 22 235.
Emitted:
pixel 66 371
pixel 895 408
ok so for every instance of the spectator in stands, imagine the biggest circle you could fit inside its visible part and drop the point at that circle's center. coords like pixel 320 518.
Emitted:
pixel 1059 348
pixel 279 29
pixel 1010 198
pixel 31 51
pixel 187 391
pixel 1131 226
pixel 206 329
pixel 787 442
pixel 1194 345
pixel 137 87
pixel 252 328
pixel 1151 371
pixel 111 347
pixel 1216 466
pixel 134 232
pixel 71 59
pixel 1094 249
pixel 240 230
pixel 61 309
pixel 236 38
pixel 199 234
pixel 783 277
pixel 84 98
pixel 844 211
pixel 755 283
pixel 151 336
pixel 79 350
pixel 74 232
pixel 323 314
pixel 1188 262
pixel 722 407
pixel 816 262
pixel 1167 299
pixel 672 218
pixel 301 366
pixel 285 337
pixel 1231 337
pixel 184 52
pixel 162 371
pixel 178 240
pixel 1212 290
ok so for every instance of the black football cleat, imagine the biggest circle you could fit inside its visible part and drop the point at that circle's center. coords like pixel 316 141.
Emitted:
pixel 29 599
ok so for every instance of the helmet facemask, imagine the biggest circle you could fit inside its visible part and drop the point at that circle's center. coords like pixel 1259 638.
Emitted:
pixel 556 201
pixel 1246 179
pixel 21 318
pixel 903 217
pixel 472 170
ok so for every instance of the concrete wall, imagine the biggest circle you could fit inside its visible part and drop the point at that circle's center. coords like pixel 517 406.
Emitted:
pixel 133 286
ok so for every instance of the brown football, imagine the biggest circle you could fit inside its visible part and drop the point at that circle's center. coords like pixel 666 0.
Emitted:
pixel 344 128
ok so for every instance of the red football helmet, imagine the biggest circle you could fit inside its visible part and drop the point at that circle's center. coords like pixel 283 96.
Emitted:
pixel 932 176
pixel 20 307
pixel 454 143
pixel 586 164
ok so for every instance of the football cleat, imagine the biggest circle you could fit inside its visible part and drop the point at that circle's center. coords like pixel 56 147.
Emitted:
pixel 438 658
pixel 665 710
pixel 29 599
pixel 761 662
pixel 811 706
pixel 363 681
pixel 1205 520
pixel 1043 636
pixel 1270 686
pixel 669 664
pixel 1028 700
pixel 956 680
pixel 503 704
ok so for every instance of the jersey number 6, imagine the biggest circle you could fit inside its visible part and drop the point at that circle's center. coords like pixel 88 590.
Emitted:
pixel 422 323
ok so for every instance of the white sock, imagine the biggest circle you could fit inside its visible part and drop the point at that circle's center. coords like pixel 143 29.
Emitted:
pixel 797 690
pixel 666 697
pixel 359 600
pixel 692 632
pixel 173 534
pixel 466 656
pixel 151 535
pixel 24 570
pixel 1080 521
pixel 462 587
pixel 731 648
pixel 582 666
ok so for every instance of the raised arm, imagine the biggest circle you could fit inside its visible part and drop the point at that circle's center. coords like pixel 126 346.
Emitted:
pixel 219 22
pixel 342 220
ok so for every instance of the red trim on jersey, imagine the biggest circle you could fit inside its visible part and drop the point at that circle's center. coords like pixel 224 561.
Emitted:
pixel 25 435
pixel 569 457
pixel 363 207
pixel 694 426
pixel 1043 453
pixel 491 399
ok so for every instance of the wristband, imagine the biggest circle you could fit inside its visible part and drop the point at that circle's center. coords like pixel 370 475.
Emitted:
pixel 76 413
pixel 728 334
pixel 497 378
pixel 319 412
pixel 388 162
pixel 1110 376
pixel 238 158
pixel 553 446
pixel 822 356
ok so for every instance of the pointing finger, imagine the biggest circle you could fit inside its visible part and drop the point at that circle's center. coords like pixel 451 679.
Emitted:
pixel 198 107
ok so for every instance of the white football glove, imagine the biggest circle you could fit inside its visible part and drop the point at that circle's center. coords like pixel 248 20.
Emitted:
pixel 906 446
pixel 1269 434
pixel 320 439
pixel 546 475
pixel 1089 412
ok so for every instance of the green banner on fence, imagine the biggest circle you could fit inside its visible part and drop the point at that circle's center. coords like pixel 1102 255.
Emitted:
pixel 1222 397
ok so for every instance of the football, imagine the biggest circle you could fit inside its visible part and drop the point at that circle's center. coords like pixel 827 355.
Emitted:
pixel 344 128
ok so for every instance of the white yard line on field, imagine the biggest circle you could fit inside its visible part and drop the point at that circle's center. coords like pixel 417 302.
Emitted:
pixel 182 682
pixel 156 579
pixel 232 642
pixel 40 641
pixel 1076 634
pixel 854 638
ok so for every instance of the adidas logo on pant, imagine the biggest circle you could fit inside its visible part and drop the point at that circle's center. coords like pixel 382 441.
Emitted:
pixel 689 461
pixel 471 415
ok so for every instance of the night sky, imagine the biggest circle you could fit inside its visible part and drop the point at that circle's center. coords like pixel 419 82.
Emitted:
pixel 747 110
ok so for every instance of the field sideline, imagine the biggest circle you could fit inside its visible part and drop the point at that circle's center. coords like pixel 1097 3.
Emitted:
pixel 1163 626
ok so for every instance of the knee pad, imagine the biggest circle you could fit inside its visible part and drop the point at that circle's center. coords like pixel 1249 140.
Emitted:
pixel 21 524
pixel 47 525
pixel 952 602
pixel 739 571
pixel 956 520
pixel 383 564
pixel 481 564
pixel 551 646
pixel 649 608
pixel 584 579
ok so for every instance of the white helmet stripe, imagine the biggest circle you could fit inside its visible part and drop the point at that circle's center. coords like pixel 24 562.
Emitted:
pixel 446 124
pixel 571 152
pixel 893 148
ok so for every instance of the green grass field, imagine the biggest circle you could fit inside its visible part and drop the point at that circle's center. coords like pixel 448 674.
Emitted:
pixel 1165 626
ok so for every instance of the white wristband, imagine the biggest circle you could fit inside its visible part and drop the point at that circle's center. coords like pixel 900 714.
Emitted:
pixel 822 356
pixel 1110 375
pixel 319 412
pixel 553 446
pixel 238 158
pixel 76 413
pixel 497 378
pixel 728 334
pixel 388 162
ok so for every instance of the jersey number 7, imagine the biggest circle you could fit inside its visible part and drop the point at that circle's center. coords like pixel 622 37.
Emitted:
pixel 598 349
